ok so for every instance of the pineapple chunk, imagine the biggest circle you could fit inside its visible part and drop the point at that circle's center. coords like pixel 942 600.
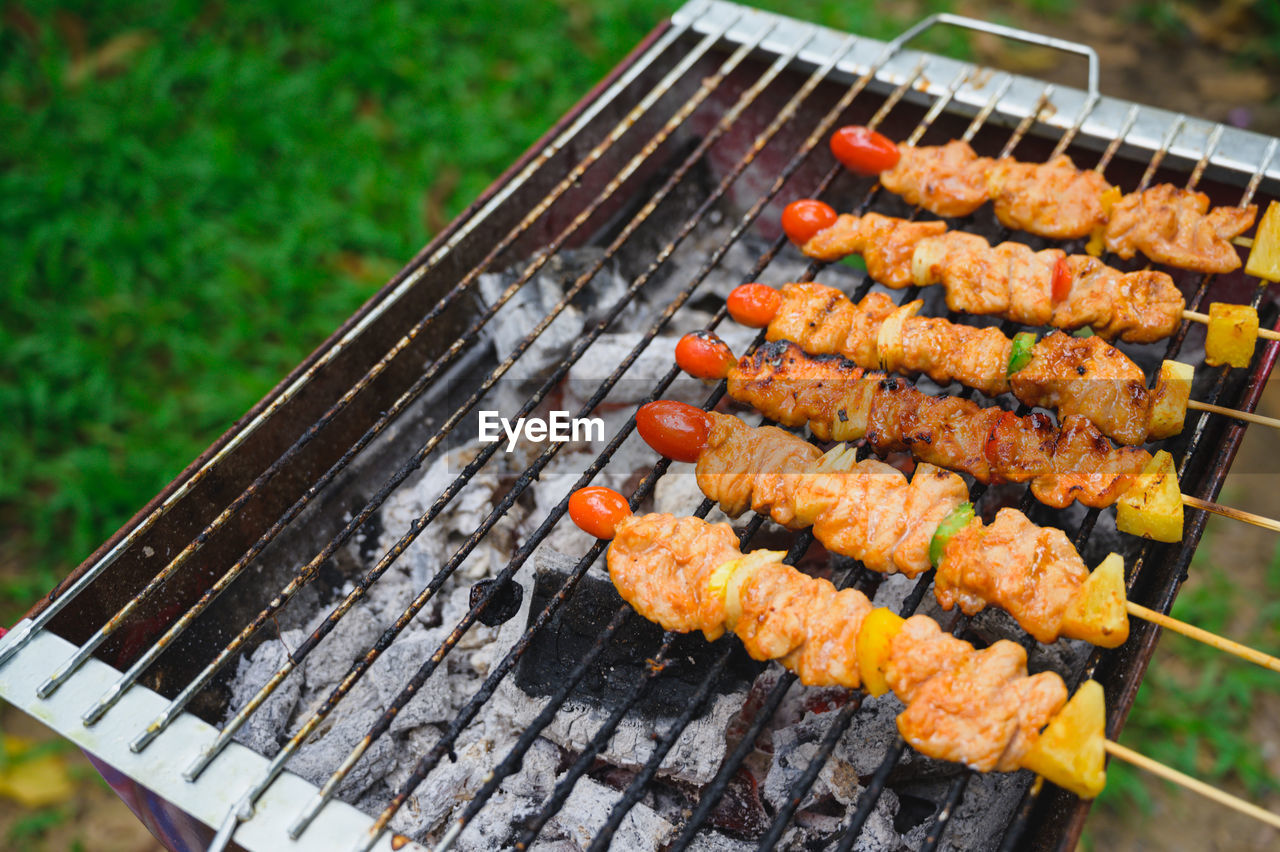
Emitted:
pixel 874 639
pixel 1233 331
pixel 1098 614
pixel 1152 508
pixel 1264 257
pixel 1071 751
pixel 1169 399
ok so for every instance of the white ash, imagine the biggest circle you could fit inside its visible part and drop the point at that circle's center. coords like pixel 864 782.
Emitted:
pixel 715 841
pixel 587 809
pixel 677 492
pixel 264 730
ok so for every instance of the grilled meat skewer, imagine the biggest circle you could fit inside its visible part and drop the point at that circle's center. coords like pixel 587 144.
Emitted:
pixel 1076 376
pixel 869 511
pixel 1057 200
pixel 977 707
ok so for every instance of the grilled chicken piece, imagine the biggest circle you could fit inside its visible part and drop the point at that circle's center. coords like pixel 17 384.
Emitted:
pixel 1060 201
pixel 867 511
pixel 1031 572
pixel 1053 199
pixel 884 242
pixel 840 401
pixel 1012 281
pixel 824 322
pixel 977 707
pixel 802 622
pixel 1140 306
pixel 1175 226
pixel 1087 376
pixel 949 180
pixel 660 564
pixel 1009 280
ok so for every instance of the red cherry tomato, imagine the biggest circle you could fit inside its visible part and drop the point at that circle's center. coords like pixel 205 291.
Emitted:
pixel 754 305
pixel 675 430
pixel 806 217
pixel 864 151
pixel 1061 280
pixel 704 356
pixel 598 510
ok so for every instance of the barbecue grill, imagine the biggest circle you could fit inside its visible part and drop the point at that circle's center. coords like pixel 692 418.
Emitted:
pixel 721 114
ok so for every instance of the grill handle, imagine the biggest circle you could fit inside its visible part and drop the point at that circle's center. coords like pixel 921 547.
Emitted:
pixel 1006 32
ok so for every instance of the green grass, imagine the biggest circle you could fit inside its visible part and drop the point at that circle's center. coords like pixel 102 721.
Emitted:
pixel 192 198
pixel 1195 708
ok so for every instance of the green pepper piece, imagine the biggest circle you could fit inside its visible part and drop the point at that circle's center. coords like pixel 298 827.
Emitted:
pixel 1020 353
pixel 1083 332
pixel 959 518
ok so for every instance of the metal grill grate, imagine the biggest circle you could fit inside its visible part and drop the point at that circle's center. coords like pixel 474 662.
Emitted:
pixel 748 97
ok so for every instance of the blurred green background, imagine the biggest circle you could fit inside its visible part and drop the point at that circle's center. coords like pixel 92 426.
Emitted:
pixel 192 197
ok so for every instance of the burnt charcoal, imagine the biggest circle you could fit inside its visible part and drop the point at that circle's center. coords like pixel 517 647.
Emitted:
pixel 912 811
pixel 740 812
pixel 504 604
pixel 575 628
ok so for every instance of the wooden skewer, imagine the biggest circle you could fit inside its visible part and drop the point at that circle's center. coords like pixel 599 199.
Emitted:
pixel 1246 416
pixel 1244 652
pixel 1234 514
pixel 1170 774
pixel 1196 316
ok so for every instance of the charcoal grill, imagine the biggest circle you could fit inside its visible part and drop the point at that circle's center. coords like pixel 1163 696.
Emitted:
pixel 125 656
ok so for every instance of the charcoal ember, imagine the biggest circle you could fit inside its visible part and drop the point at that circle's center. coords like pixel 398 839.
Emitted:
pixel 504 603
pixel 575 629
pixel 351 637
pixel 740 811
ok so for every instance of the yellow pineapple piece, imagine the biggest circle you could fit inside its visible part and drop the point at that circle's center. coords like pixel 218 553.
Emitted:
pixel 1152 508
pixel 1264 256
pixel 1097 242
pixel 1233 332
pixel 1071 751
pixel 1098 614
pixel 1169 399
pixel 874 639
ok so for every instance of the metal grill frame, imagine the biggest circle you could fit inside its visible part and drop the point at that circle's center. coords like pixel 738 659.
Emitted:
pixel 888 71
